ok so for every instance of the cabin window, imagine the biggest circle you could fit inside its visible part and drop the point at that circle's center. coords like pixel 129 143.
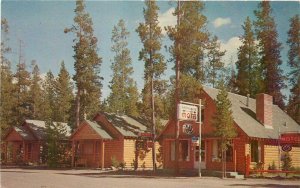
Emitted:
pixel 29 151
pixel 184 150
pixel 255 151
pixel 172 150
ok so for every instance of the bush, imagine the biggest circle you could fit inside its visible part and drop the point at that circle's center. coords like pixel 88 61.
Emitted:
pixel 272 167
pixel 287 161
pixel 114 162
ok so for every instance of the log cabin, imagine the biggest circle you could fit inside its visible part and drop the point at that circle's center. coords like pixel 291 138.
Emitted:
pixel 110 138
pixel 262 127
pixel 24 144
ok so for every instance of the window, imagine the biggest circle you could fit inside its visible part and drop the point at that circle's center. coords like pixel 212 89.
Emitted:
pixel 184 150
pixel 255 151
pixel 172 150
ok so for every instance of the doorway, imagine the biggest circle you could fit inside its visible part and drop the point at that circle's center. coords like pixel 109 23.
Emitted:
pixel 203 155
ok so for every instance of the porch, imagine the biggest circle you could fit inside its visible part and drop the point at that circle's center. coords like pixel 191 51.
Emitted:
pixel 88 153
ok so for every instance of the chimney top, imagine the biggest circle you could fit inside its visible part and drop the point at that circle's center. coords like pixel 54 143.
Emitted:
pixel 264 108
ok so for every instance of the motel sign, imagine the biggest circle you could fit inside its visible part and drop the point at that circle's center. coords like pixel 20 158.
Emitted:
pixel 187 112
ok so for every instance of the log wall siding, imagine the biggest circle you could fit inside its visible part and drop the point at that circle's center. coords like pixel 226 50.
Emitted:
pixel 13 136
pixel 113 148
pixel 129 152
pixel 85 132
pixel 272 154
pixel 295 155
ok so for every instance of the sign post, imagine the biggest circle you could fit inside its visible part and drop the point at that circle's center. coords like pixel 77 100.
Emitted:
pixel 191 112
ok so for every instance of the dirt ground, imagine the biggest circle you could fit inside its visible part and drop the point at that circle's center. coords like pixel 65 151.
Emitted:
pixel 34 178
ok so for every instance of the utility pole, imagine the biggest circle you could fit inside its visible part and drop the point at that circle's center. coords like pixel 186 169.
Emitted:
pixel 177 44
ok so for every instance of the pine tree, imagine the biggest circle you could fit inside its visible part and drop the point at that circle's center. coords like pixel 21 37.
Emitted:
pixel 267 35
pixel 214 65
pixel 293 41
pixel 249 70
pixel 6 84
pixel 124 95
pixel 190 39
pixel 35 93
pixel 223 121
pixel 21 93
pixel 87 64
pixel 150 34
pixel 49 97
pixel 56 149
pixel 64 95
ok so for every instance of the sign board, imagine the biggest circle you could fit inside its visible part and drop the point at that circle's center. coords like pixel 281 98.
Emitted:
pixel 195 139
pixel 187 112
pixel 188 129
pixel 286 148
pixel 290 138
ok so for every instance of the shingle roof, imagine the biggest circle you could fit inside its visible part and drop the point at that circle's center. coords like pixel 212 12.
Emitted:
pixel 39 128
pixel 98 128
pixel 126 125
pixel 24 133
pixel 245 117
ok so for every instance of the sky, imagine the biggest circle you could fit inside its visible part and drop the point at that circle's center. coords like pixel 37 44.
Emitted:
pixel 40 26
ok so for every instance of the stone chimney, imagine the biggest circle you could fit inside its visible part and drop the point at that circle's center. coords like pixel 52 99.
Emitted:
pixel 264 105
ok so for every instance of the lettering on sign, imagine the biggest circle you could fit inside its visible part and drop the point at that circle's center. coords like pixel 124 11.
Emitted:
pixel 187 112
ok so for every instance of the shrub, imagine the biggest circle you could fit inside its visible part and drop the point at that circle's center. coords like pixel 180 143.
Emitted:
pixel 272 167
pixel 114 162
pixel 287 161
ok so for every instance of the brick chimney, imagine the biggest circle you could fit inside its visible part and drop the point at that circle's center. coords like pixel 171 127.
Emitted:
pixel 264 104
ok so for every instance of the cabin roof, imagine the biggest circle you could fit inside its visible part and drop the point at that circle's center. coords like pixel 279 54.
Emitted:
pixel 24 133
pixel 127 126
pixel 39 128
pixel 245 117
pixel 99 129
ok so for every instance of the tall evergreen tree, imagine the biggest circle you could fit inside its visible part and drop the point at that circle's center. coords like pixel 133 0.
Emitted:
pixel 293 41
pixel 151 35
pixel 249 75
pixel 214 65
pixel 223 121
pixel 35 93
pixel 87 64
pixel 49 97
pixel 124 95
pixel 7 100
pixel 22 85
pixel 64 95
pixel 190 39
pixel 269 46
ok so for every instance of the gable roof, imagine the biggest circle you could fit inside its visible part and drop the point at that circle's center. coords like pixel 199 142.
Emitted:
pixel 127 126
pixel 245 117
pixel 99 129
pixel 24 133
pixel 38 128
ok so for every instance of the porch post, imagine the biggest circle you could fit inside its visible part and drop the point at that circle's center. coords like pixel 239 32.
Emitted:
pixel 73 153
pixel 5 150
pixel 102 154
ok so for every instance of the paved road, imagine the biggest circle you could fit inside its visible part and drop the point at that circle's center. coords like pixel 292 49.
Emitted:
pixel 25 178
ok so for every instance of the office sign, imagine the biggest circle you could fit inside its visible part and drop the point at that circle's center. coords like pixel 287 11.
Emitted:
pixel 187 112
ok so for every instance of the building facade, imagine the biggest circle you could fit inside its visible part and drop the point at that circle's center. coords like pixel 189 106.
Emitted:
pixel 263 130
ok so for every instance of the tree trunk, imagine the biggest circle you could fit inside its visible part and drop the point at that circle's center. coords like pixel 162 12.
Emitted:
pixel 77 115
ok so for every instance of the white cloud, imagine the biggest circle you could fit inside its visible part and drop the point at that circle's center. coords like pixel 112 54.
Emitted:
pixel 221 21
pixel 231 46
pixel 167 19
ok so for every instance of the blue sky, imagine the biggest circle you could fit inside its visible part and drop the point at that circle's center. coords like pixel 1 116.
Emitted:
pixel 40 25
